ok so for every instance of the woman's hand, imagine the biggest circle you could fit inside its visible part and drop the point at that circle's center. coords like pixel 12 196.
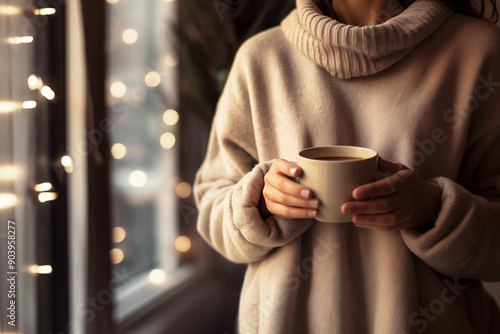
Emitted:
pixel 401 201
pixel 283 197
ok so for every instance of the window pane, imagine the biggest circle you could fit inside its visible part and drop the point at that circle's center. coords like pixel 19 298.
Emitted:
pixel 142 101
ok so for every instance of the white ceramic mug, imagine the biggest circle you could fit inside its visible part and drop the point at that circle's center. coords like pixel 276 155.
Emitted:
pixel 332 179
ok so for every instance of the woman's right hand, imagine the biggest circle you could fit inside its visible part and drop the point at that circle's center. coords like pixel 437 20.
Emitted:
pixel 283 197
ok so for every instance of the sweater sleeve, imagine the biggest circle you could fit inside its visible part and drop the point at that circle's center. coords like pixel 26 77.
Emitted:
pixel 465 239
pixel 228 185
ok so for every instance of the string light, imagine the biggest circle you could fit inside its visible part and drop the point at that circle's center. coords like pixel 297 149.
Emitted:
pixel 9 10
pixel 138 179
pixel 116 255
pixel 9 173
pixel 67 163
pixel 8 106
pixel 170 117
pixel 20 40
pixel 152 79
pixel 48 93
pixel 11 106
pixel 47 197
pixel 118 89
pixel 28 105
pixel 41 270
pixel 130 36
pixel 171 60
pixel 7 200
pixel 183 190
pixel 167 140
pixel 157 276
pixel 46 186
pixel 45 11
pixel 35 82
pixel 182 244
pixel 119 234
pixel 118 151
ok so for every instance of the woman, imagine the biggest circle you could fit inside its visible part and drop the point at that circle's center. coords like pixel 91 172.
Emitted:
pixel 420 85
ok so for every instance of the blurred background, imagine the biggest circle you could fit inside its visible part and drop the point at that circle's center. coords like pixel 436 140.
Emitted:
pixel 105 111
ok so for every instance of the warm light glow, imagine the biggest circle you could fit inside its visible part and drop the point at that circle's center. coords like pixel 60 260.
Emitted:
pixel 45 11
pixel 47 197
pixel 7 200
pixel 182 244
pixel 170 117
pixel 11 106
pixel 183 190
pixel 46 186
pixel 8 106
pixel 20 40
pixel 130 36
pixel 69 169
pixel 157 276
pixel 118 89
pixel 112 2
pixel 138 179
pixel 167 140
pixel 152 79
pixel 41 270
pixel 9 10
pixel 66 161
pixel 171 60
pixel 116 255
pixel 35 82
pixel 118 151
pixel 28 105
pixel 9 173
pixel 48 93
pixel 119 234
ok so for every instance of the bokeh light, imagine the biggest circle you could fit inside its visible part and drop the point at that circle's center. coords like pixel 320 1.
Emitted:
pixel 157 276
pixel 119 234
pixel 130 36
pixel 182 244
pixel 167 140
pixel 152 79
pixel 170 117
pixel 118 89
pixel 116 255
pixel 138 179
pixel 183 190
pixel 118 151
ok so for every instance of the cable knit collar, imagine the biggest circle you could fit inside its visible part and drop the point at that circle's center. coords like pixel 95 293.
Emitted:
pixel 348 51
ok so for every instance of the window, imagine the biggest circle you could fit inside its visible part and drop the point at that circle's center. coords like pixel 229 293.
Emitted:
pixel 142 101
pixel 32 177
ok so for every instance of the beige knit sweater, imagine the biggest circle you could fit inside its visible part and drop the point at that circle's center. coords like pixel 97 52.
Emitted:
pixel 422 89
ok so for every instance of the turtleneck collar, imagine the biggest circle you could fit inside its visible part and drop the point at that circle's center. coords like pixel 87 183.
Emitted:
pixel 348 51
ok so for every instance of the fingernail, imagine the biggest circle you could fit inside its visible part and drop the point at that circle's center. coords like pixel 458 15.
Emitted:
pixel 314 203
pixel 293 170
pixel 348 209
pixel 356 194
pixel 312 213
pixel 305 193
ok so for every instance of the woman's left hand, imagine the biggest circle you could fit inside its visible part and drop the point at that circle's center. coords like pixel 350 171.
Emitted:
pixel 401 201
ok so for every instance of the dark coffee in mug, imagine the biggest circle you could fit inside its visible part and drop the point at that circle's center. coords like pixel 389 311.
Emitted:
pixel 332 157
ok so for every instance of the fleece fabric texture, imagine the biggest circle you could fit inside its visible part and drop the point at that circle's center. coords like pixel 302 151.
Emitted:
pixel 423 89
